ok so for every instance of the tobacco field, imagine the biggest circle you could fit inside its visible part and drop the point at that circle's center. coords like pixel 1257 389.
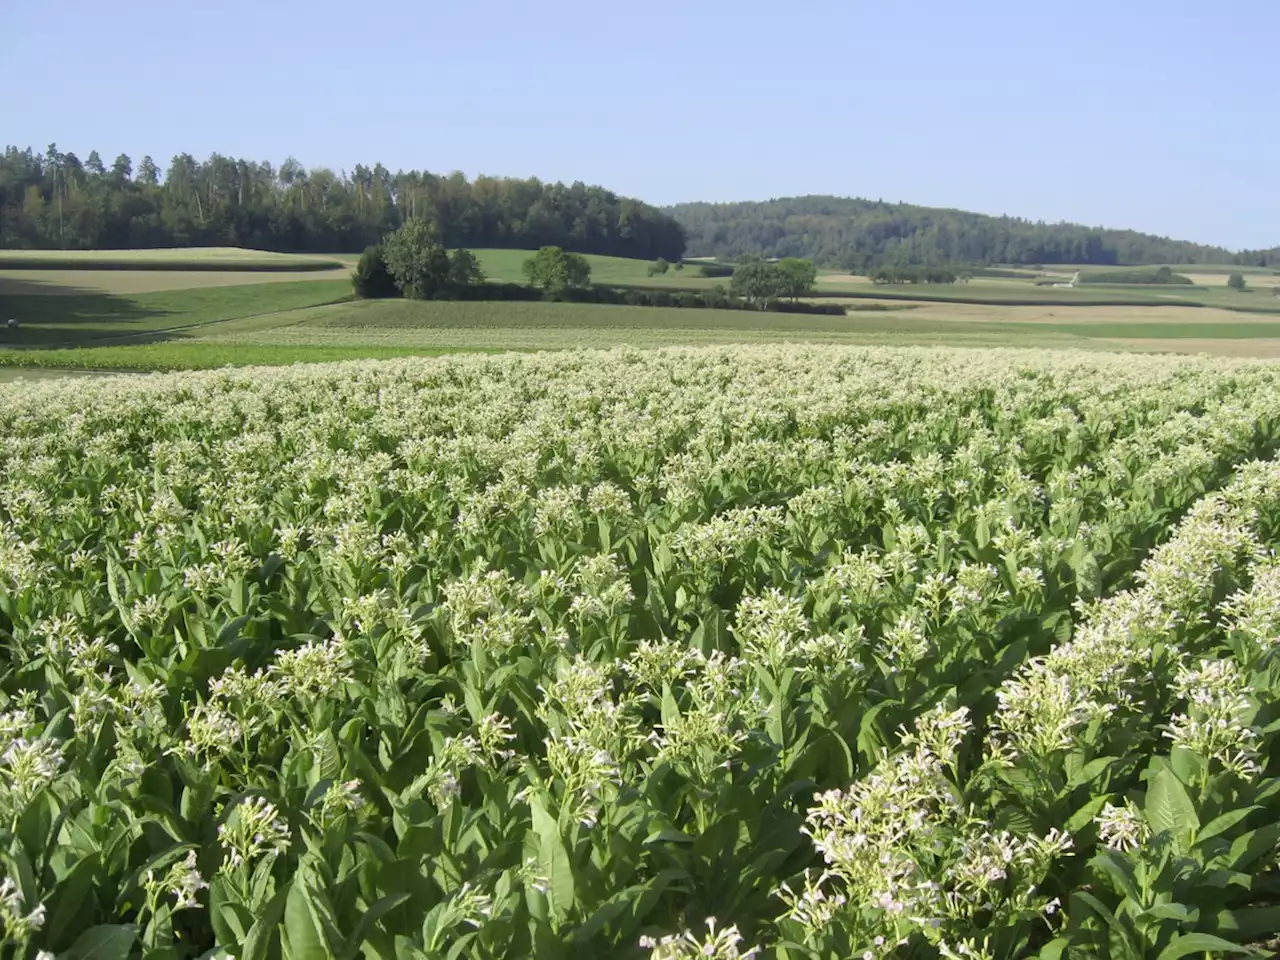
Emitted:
pixel 793 652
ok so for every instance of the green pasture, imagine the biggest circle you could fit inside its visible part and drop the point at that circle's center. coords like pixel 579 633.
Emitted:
pixel 1003 291
pixel 306 332
pixel 1224 269
pixel 312 319
pixel 185 258
pixel 47 320
pixel 407 323
pixel 506 266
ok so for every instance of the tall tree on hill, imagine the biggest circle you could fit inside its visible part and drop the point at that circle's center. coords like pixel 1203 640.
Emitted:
pixel 121 170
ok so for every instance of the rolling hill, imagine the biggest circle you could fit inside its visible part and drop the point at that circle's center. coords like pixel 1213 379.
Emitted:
pixel 859 235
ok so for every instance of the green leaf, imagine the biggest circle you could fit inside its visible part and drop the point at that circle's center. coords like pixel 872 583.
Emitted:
pixel 1172 911
pixel 1225 822
pixel 1248 923
pixel 261 934
pixel 1169 808
pixel 107 942
pixel 65 914
pixel 1120 872
pixel 1090 771
pixel 670 709
pixel 1088 576
pixel 231 920
pixel 305 922
pixel 871 739
pixel 375 912
pixel 1248 847
pixel 608 911
pixel 553 859
pixel 1186 764
pixel 1084 816
pixel 1201 943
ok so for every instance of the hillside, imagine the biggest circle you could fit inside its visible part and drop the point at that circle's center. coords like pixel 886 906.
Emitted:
pixel 859 234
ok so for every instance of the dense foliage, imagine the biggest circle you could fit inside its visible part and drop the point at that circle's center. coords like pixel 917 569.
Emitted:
pixel 914 274
pixel 863 234
pixel 862 652
pixel 411 262
pixel 54 200
pixel 371 280
pixel 554 271
pixel 716 298
pixel 417 260
pixel 1152 275
pixel 761 281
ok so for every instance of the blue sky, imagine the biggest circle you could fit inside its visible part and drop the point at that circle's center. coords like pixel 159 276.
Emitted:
pixel 1161 116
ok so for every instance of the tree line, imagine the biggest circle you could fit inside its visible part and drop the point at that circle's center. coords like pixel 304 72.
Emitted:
pixel 412 262
pixel 862 235
pixel 909 273
pixel 54 200
pixel 1149 275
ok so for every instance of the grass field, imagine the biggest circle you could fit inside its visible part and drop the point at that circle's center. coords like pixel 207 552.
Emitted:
pixel 62 283
pixel 998 290
pixel 162 319
pixel 506 266
pixel 550 325
pixel 185 258
pixel 74 319
pixel 232 327
pixel 1186 269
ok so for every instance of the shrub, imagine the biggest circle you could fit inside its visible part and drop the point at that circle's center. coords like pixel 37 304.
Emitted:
pixel 370 279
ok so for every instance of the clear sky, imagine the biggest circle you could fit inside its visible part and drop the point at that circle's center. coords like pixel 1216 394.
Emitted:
pixel 1161 115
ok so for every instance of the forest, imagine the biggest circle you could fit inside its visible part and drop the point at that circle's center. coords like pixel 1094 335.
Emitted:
pixel 862 235
pixel 54 200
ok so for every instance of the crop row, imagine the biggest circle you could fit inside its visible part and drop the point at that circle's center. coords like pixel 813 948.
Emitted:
pixel 537 655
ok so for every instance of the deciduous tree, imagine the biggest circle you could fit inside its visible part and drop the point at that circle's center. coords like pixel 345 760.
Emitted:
pixel 796 277
pixel 416 259
pixel 464 269
pixel 757 282
pixel 553 270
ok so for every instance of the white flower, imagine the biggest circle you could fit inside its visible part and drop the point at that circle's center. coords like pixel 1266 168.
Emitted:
pixel 1122 828
pixel 253 830
pixel 722 945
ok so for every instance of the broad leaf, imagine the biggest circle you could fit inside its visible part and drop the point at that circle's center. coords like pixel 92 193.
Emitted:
pixel 108 942
pixel 1169 809
pixel 553 859
pixel 1201 943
